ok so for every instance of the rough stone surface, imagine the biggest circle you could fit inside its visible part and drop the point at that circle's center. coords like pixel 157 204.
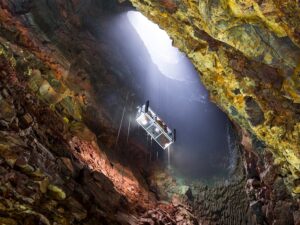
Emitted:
pixel 56 137
pixel 52 169
pixel 38 185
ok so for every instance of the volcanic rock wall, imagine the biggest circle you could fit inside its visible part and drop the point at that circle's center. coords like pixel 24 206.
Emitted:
pixel 52 170
pixel 53 167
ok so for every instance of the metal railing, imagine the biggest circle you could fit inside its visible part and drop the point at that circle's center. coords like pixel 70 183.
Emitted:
pixel 154 126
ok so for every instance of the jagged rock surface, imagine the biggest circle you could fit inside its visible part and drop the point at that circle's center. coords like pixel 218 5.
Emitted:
pixel 52 168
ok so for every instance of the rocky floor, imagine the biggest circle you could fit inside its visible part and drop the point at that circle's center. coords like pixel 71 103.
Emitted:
pixel 222 202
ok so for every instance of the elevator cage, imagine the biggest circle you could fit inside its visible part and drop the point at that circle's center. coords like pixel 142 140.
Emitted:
pixel 155 127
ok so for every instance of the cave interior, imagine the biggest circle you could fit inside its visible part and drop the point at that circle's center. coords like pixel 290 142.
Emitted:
pixel 223 73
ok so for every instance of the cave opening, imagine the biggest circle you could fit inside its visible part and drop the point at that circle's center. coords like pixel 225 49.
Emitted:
pixel 162 74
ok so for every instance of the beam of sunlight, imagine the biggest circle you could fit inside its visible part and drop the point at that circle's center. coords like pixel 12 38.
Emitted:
pixel 156 40
pixel 168 59
pixel 160 73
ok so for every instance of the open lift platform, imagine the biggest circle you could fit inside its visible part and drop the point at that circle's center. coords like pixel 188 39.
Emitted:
pixel 155 127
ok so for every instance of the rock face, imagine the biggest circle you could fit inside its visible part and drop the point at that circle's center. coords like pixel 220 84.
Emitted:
pixel 247 53
pixel 50 175
pixel 57 164
pixel 269 198
pixel 52 170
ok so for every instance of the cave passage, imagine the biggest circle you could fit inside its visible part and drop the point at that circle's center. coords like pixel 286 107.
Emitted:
pixel 163 75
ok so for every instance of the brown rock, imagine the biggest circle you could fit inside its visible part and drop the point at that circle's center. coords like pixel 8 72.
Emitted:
pixel 170 5
pixel 7 221
pixel 283 214
pixel 297 217
pixel 269 175
pixel 5 93
pixel 26 120
pixel 68 163
pixel 76 209
pixel 7 111
pixel 256 115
